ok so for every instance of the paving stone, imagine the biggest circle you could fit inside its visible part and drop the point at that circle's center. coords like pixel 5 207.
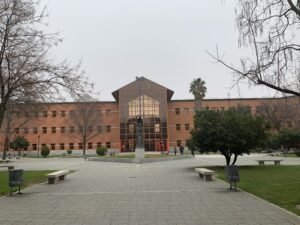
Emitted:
pixel 164 193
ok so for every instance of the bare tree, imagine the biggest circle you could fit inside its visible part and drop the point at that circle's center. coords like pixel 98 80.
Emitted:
pixel 27 73
pixel 274 112
pixel 15 118
pixel 271 29
pixel 279 111
pixel 86 118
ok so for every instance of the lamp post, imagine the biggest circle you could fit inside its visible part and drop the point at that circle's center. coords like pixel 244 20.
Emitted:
pixel 38 146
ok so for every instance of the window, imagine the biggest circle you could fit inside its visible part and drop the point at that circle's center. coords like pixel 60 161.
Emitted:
pixel 157 128
pixel 130 128
pixel 177 111
pixel 108 128
pixel 25 130
pixel 45 114
pixel 90 145
pixel 44 145
pixel 44 130
pixel 80 145
pixel 52 146
pixel 99 144
pixel 62 130
pixel 34 147
pixel 187 126
pixel 108 145
pixel 178 127
pixel 108 112
pixel 62 146
pixel 71 146
pixel 143 105
pixel 178 142
pixel 35 130
pixel 63 113
pixel 53 113
pixel 72 129
pixel 53 130
pixel 17 130
pixel 99 129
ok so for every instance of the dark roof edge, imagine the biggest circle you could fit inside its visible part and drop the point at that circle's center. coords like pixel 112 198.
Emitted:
pixel 230 99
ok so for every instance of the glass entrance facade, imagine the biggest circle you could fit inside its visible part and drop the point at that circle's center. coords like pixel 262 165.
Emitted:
pixel 143 116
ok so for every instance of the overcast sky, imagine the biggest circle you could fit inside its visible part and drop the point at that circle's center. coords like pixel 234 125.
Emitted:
pixel 162 40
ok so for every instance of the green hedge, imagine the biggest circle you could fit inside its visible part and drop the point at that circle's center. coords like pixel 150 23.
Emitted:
pixel 101 151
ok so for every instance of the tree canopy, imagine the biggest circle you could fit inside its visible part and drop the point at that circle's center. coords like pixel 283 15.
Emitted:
pixel 198 89
pixel 232 132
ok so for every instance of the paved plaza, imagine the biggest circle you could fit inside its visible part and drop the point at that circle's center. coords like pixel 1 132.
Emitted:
pixel 164 193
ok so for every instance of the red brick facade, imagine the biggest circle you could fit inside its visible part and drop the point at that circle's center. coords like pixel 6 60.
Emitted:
pixel 53 127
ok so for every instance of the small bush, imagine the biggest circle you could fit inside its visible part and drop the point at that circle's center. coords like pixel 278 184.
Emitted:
pixel 297 152
pixel 45 151
pixel 101 151
pixel 69 151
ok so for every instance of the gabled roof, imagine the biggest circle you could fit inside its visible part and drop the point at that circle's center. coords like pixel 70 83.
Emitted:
pixel 169 92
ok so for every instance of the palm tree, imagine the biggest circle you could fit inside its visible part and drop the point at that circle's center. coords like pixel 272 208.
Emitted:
pixel 198 89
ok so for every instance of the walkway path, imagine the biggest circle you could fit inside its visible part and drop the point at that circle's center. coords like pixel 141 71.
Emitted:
pixel 166 193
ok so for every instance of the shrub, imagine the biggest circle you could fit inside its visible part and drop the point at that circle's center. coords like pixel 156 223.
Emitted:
pixel 45 151
pixel 297 152
pixel 69 151
pixel 101 151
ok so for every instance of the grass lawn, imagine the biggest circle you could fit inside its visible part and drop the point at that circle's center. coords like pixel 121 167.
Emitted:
pixel 30 178
pixel 277 184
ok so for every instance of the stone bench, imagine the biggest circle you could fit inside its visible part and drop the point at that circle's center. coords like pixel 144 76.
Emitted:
pixel 9 167
pixel 4 161
pixel 205 174
pixel 262 161
pixel 58 175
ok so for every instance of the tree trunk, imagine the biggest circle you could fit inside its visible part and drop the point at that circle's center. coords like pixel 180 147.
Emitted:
pixel 234 159
pixel 84 148
pixel 227 157
pixel 197 104
pixel 5 148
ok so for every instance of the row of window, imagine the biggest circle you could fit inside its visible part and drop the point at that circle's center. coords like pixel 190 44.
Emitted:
pixel 178 110
pixel 186 126
pixel 63 146
pixel 55 113
pixel 53 130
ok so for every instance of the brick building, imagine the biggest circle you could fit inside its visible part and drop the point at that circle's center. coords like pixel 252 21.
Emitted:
pixel 165 122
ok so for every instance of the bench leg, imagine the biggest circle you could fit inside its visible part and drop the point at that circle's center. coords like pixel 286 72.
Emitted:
pixel 277 162
pixel 261 163
pixel 51 180
pixel 62 177
pixel 201 176
pixel 208 178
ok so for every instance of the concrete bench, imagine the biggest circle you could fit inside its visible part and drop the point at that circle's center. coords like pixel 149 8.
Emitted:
pixel 205 174
pixel 9 167
pixel 262 161
pixel 58 175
